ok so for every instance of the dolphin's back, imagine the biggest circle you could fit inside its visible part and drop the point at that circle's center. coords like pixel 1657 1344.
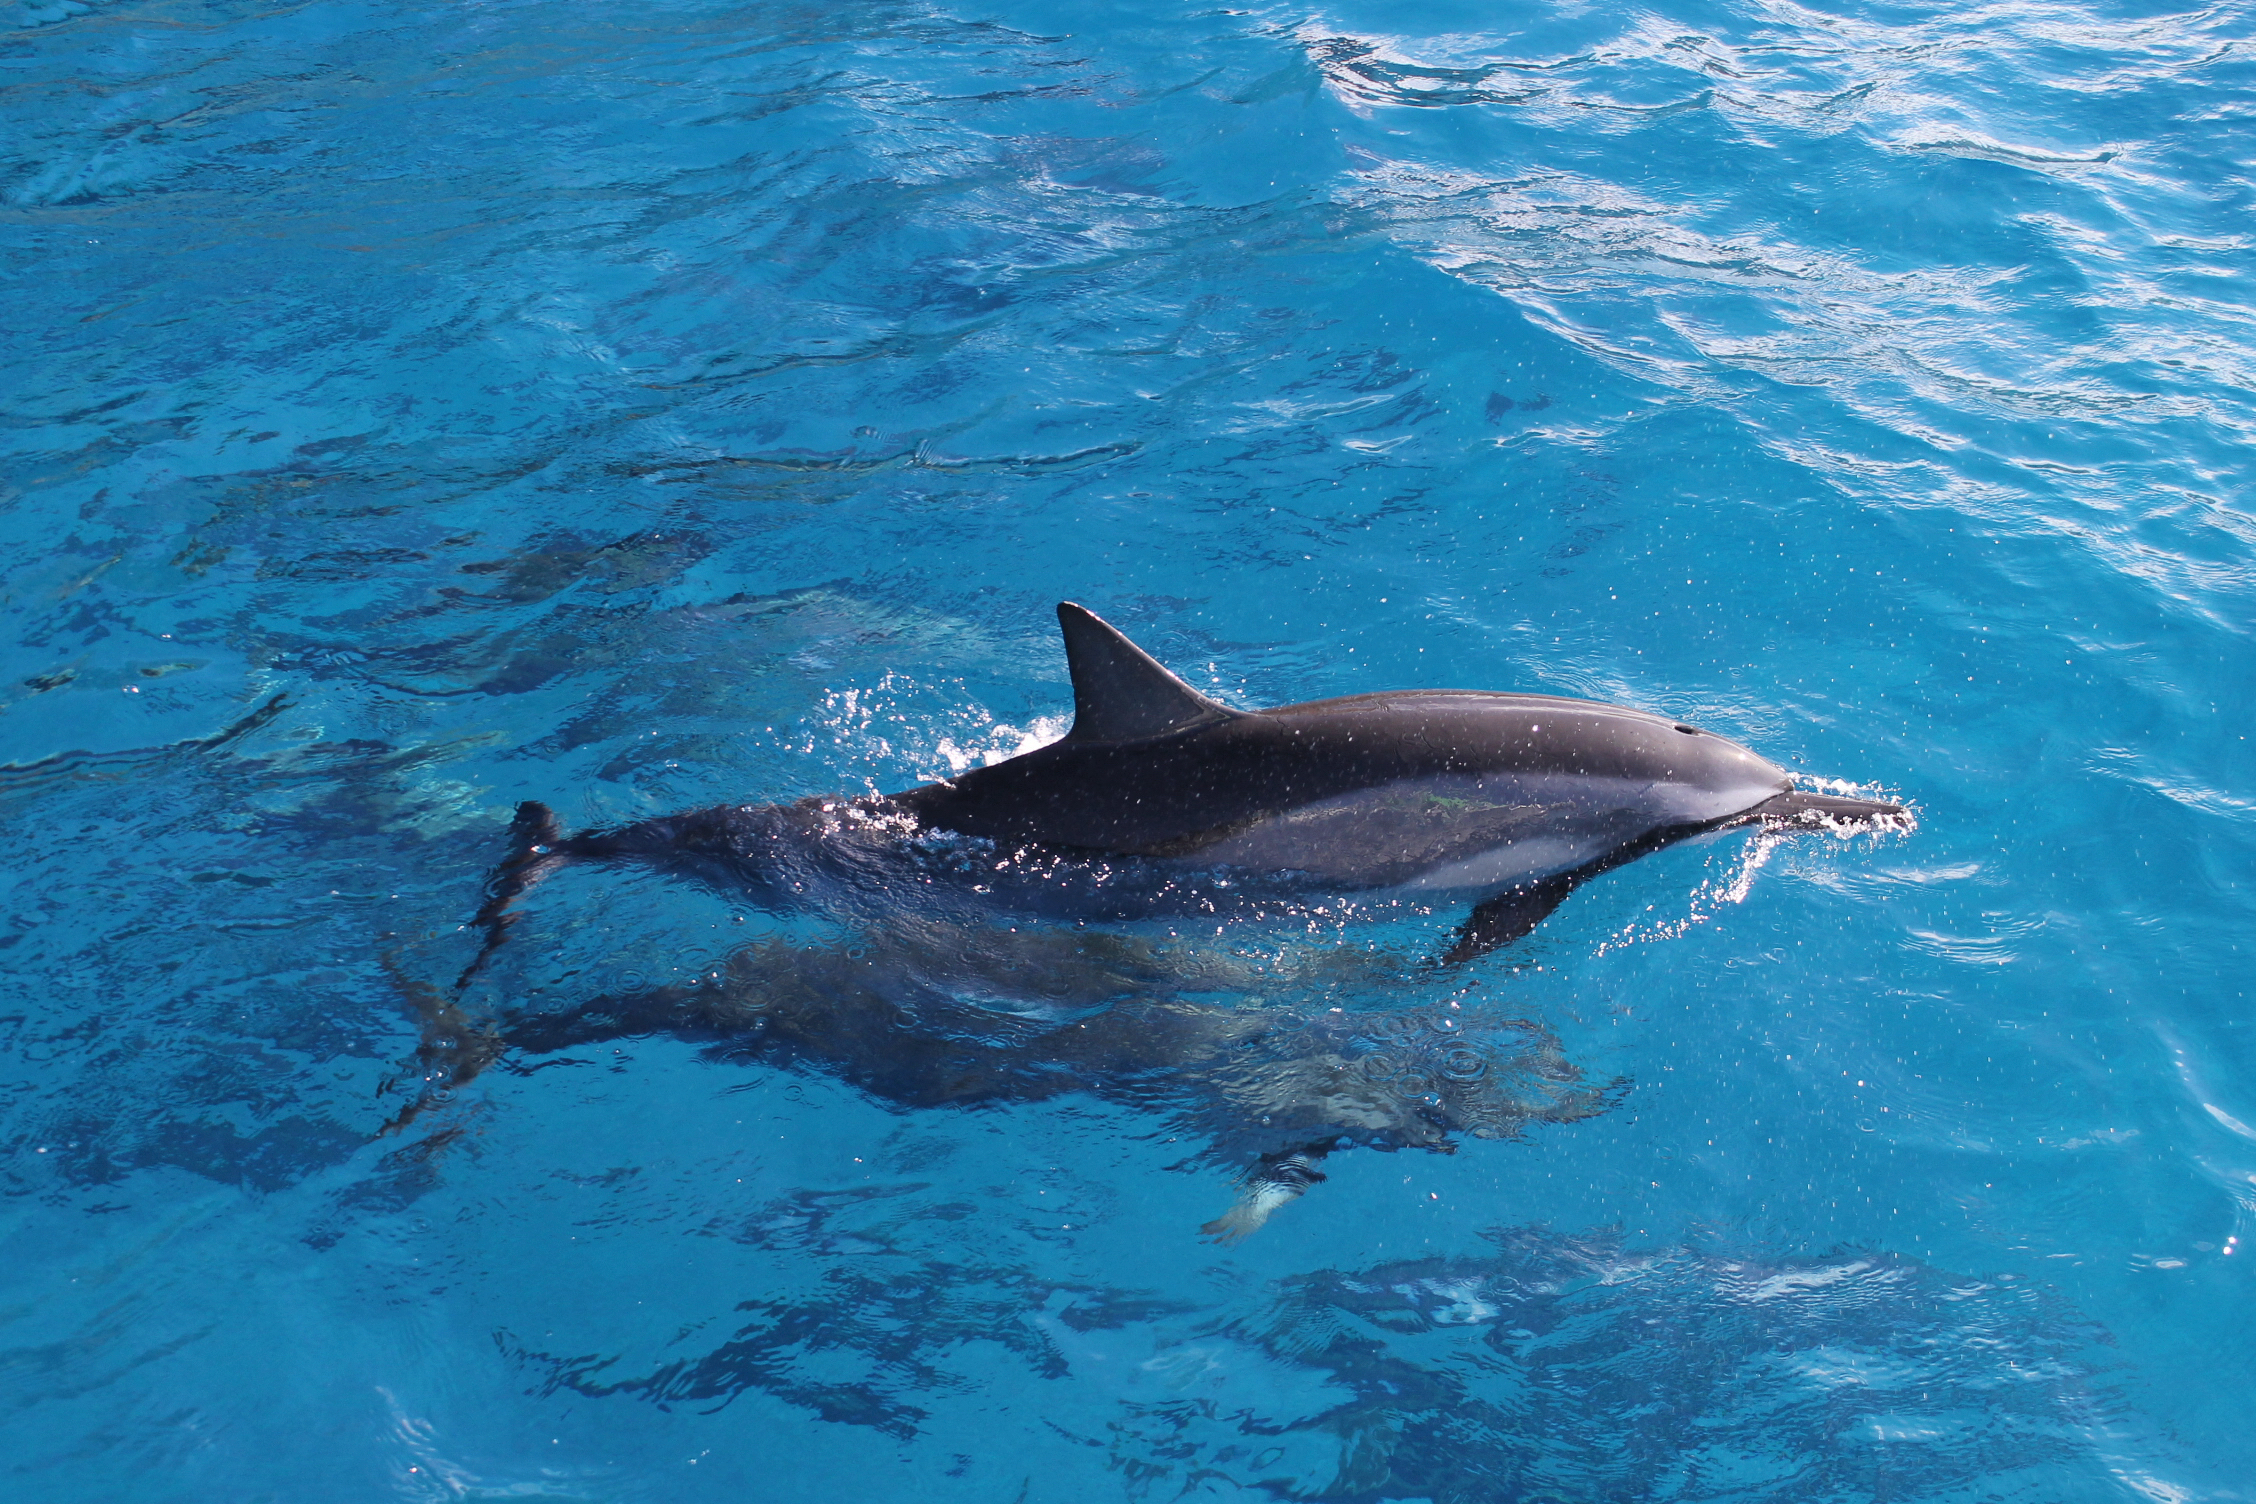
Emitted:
pixel 1434 788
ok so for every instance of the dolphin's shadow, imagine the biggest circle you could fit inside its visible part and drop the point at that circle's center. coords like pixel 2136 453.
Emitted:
pixel 1263 1064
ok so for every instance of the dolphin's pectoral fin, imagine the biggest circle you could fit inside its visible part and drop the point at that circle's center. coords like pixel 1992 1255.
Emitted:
pixel 1277 1179
pixel 534 842
pixel 1508 916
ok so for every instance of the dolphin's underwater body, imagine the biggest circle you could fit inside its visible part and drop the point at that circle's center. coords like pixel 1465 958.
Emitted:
pixel 920 1016
pixel 1162 800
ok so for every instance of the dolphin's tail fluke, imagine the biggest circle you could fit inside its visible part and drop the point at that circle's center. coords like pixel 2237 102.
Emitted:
pixel 1827 811
pixel 453 1050
pixel 455 1046
pixel 536 848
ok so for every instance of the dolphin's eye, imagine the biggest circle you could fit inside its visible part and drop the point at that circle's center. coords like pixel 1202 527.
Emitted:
pixel 1689 730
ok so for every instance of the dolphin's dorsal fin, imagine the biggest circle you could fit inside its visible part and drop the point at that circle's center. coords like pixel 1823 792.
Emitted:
pixel 1120 692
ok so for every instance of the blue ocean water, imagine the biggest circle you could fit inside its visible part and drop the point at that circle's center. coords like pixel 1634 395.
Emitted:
pixel 412 409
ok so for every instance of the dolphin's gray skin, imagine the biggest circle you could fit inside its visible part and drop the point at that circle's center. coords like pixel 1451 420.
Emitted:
pixel 1163 800
pixel 920 1015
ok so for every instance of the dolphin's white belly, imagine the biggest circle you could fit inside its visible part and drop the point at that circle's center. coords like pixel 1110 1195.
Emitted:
pixel 1508 866
pixel 1463 832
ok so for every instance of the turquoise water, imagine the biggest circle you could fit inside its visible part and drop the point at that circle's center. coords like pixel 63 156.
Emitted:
pixel 413 409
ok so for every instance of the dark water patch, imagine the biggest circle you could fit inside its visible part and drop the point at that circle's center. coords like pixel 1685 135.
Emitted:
pixel 1552 1367
pixel 1574 1367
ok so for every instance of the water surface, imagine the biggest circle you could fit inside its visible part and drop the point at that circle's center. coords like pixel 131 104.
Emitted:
pixel 412 409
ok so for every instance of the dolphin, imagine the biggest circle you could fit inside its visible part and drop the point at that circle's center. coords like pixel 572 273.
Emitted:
pixel 1162 799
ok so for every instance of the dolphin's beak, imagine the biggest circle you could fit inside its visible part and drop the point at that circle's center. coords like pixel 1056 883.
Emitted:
pixel 1826 811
